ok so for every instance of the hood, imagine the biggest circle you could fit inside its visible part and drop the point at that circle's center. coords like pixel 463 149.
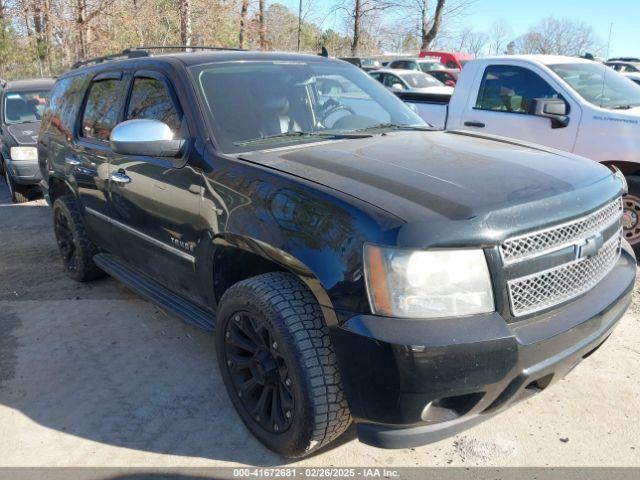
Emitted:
pixel 24 133
pixel 452 185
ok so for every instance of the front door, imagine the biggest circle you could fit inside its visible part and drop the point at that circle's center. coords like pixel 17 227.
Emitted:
pixel 155 201
pixel 503 107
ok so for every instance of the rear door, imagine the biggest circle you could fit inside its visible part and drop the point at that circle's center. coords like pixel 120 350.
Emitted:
pixel 156 212
pixel 87 163
pixel 505 93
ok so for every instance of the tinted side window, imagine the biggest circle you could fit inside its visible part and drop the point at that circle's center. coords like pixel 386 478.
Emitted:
pixel 66 97
pixel 101 111
pixel 511 89
pixel 151 100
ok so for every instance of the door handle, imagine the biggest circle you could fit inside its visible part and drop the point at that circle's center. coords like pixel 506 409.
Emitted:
pixel 120 177
pixel 74 162
pixel 474 124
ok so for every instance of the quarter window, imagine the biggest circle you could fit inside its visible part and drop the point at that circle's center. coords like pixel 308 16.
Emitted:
pixel 150 99
pixel 511 89
pixel 102 108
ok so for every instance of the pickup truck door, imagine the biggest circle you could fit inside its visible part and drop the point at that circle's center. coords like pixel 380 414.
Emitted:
pixel 155 201
pixel 86 159
pixel 502 106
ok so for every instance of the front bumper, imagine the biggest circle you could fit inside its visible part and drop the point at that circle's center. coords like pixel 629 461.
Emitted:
pixel 412 382
pixel 24 172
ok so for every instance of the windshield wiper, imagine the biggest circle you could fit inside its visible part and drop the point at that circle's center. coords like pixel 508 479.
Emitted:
pixel 396 126
pixel 622 107
pixel 300 134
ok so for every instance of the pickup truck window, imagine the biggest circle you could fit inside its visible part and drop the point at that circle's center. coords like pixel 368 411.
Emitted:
pixel 507 88
pixel 256 104
pixel 150 99
pixel 598 85
pixel 101 110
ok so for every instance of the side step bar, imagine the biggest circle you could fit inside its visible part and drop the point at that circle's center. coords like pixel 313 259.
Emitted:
pixel 156 293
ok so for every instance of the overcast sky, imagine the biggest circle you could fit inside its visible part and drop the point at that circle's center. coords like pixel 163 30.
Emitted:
pixel 521 14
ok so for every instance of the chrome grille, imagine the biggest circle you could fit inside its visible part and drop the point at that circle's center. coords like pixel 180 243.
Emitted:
pixel 554 286
pixel 541 242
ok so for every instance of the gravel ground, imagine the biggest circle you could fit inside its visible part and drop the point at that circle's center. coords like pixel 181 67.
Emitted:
pixel 92 375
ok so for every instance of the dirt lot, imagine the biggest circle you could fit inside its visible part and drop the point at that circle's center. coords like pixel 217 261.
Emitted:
pixel 92 375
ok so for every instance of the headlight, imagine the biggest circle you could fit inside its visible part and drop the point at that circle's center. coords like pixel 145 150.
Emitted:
pixel 24 153
pixel 427 283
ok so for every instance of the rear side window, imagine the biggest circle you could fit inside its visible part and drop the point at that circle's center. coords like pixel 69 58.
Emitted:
pixel 61 113
pixel 506 88
pixel 102 108
pixel 150 99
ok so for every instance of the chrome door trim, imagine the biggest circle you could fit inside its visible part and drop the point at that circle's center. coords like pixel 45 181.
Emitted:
pixel 144 236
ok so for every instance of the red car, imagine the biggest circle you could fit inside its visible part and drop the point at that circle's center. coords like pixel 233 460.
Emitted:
pixel 448 76
pixel 449 59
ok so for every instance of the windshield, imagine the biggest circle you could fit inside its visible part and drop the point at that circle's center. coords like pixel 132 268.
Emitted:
pixel 599 84
pixel 266 104
pixel 430 66
pixel 23 107
pixel 421 80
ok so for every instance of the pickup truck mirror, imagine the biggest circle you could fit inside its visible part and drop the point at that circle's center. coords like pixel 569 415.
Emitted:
pixel 554 109
pixel 151 138
pixel 397 87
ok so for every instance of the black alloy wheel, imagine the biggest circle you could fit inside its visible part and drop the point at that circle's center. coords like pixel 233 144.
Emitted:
pixel 259 372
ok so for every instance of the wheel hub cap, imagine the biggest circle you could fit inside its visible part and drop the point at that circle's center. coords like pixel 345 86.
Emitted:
pixel 631 219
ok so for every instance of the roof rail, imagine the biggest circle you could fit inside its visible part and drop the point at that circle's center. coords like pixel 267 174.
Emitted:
pixel 138 52
pixel 128 53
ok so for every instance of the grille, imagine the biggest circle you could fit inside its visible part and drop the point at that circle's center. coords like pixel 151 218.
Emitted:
pixel 544 241
pixel 554 286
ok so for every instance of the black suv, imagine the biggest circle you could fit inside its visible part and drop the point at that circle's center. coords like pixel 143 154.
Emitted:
pixel 357 265
pixel 22 103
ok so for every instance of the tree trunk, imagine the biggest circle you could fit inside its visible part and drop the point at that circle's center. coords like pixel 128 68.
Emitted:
pixel 357 26
pixel 429 34
pixel 185 22
pixel 263 26
pixel 243 23
pixel 80 26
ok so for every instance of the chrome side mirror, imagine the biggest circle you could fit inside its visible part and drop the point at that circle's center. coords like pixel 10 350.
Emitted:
pixel 151 138
pixel 554 109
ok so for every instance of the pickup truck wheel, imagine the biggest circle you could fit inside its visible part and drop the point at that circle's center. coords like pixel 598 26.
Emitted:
pixel 278 364
pixel 76 249
pixel 18 193
pixel 631 213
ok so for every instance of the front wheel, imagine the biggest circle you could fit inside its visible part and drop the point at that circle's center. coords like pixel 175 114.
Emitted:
pixel 631 213
pixel 278 364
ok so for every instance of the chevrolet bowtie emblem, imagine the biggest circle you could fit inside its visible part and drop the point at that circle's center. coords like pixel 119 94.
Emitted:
pixel 589 247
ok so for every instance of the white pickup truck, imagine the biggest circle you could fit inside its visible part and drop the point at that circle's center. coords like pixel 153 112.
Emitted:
pixel 565 103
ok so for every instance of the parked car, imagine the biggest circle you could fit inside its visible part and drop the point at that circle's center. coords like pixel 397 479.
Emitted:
pixel 21 105
pixel 567 103
pixel 357 264
pixel 410 81
pixel 624 67
pixel 449 59
pixel 365 64
pixel 422 65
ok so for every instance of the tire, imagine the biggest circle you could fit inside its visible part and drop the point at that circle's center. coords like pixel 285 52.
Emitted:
pixel 76 249
pixel 631 213
pixel 19 194
pixel 285 323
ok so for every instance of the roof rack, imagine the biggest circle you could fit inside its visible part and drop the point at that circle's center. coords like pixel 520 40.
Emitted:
pixel 138 52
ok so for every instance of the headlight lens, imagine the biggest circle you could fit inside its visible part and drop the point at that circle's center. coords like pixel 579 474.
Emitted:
pixel 427 283
pixel 24 153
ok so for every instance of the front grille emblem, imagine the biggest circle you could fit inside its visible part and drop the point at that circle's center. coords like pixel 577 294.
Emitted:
pixel 589 247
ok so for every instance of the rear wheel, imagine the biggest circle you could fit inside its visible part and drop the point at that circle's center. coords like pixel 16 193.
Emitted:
pixel 19 193
pixel 278 364
pixel 631 213
pixel 76 249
